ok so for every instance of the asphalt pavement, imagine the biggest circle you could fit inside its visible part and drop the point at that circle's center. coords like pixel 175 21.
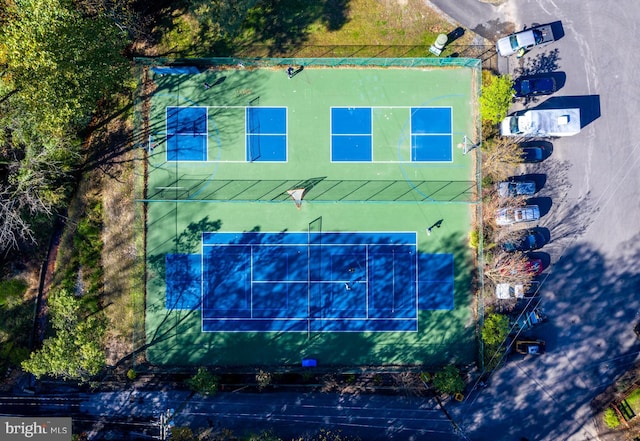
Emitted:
pixel 590 195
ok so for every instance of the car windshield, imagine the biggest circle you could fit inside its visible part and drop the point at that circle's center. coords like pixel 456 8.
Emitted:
pixel 513 125
pixel 537 35
pixel 524 86
pixel 513 40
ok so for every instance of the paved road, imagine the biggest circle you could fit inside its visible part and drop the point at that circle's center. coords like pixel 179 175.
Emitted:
pixel 592 182
pixel 130 414
pixel 371 417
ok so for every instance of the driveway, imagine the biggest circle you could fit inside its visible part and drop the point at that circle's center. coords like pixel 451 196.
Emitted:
pixel 591 294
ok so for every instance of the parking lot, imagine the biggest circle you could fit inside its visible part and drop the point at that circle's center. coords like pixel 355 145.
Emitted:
pixel 590 294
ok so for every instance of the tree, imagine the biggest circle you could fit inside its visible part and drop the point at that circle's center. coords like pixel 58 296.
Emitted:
pixel 75 352
pixel 56 66
pixel 499 157
pixel 448 380
pixel 513 268
pixel 495 329
pixel 497 93
pixel 204 382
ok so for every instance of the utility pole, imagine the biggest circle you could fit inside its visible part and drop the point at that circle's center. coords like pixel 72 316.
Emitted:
pixel 165 424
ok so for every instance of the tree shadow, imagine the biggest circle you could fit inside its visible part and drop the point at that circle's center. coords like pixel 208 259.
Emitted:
pixel 225 28
pixel 284 24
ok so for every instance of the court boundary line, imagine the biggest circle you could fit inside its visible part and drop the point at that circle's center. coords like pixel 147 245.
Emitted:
pixel 247 134
pixel 410 134
pixel 410 320
pixel 205 134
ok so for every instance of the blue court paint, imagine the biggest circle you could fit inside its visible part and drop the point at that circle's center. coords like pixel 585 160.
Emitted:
pixel 431 139
pixel 351 121
pixel 351 148
pixel 266 120
pixel 182 278
pixel 430 120
pixel 186 147
pixel 280 300
pixel 186 120
pixel 435 281
pixel 226 282
pixel 186 133
pixel 266 148
pixel 342 282
pixel 175 70
pixel 266 129
pixel 433 148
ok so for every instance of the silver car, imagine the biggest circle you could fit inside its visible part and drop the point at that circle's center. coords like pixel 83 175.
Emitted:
pixel 514 215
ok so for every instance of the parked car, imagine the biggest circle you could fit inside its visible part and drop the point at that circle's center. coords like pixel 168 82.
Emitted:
pixel 532 154
pixel 530 240
pixel 524 40
pixel 527 320
pixel 516 188
pixel 514 215
pixel 535 347
pixel 531 86
pixel 517 290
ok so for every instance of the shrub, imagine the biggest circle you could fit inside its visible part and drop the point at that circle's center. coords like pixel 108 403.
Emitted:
pixel 203 382
pixel 474 238
pixel 132 374
pixel 611 418
pixel 495 329
pixel 264 379
pixel 448 380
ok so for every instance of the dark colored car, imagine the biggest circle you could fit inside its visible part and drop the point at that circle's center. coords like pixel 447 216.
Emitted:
pixel 531 154
pixel 530 240
pixel 531 86
pixel 526 347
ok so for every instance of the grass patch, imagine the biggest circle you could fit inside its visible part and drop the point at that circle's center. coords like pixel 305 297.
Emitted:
pixel 281 29
pixel 375 22
pixel 633 401
pixel 16 320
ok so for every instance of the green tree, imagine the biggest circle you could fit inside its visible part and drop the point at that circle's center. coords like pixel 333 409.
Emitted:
pixel 448 380
pixel 75 352
pixel 56 67
pixel 495 329
pixel 204 382
pixel 58 64
pixel 497 93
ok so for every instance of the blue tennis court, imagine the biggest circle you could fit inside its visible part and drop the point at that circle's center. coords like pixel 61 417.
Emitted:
pixel 266 134
pixel 309 282
pixel 430 130
pixel 186 129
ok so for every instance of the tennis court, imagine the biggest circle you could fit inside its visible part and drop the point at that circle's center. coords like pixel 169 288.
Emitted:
pixel 322 216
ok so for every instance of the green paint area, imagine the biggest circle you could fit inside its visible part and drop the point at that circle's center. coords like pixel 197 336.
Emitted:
pixel 236 187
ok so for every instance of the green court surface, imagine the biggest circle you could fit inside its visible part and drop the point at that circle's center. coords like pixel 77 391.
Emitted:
pixel 221 180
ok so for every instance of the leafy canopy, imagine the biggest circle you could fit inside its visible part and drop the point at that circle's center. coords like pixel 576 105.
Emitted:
pixel 495 329
pixel 448 380
pixel 75 352
pixel 495 100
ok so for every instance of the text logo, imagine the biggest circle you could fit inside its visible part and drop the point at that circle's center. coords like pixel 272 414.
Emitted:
pixel 35 428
